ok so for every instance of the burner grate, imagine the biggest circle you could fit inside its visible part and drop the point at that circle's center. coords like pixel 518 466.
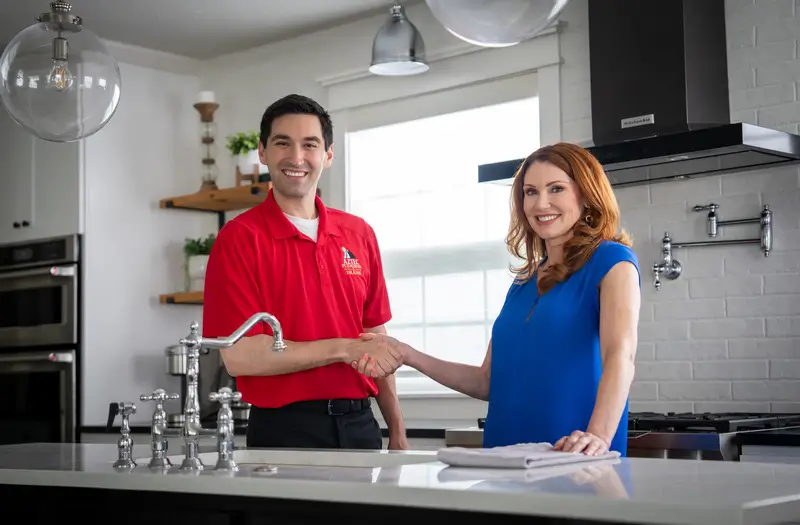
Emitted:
pixel 708 421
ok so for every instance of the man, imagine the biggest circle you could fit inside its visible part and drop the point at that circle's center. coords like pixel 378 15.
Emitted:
pixel 319 271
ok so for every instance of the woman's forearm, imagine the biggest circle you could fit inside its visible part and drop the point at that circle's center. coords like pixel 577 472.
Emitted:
pixel 467 379
pixel 612 393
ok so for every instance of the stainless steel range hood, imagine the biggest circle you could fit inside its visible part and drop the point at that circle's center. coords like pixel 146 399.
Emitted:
pixel 660 99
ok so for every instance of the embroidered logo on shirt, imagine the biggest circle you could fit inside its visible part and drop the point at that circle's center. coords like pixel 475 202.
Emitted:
pixel 350 263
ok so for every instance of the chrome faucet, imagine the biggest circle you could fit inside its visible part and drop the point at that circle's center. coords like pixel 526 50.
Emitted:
pixel 158 431
pixel 125 442
pixel 668 266
pixel 225 441
pixel 192 430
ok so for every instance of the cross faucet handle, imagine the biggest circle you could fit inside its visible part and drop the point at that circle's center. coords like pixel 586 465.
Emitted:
pixel 225 396
pixel 159 395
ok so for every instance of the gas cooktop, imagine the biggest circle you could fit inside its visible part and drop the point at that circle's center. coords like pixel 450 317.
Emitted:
pixel 708 422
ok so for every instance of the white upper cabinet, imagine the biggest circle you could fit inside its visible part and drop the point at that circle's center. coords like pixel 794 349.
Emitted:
pixel 41 185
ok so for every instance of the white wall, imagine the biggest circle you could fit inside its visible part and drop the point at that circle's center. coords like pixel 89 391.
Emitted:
pixel 148 151
pixel 726 335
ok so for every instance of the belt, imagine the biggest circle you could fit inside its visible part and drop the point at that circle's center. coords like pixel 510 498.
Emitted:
pixel 333 407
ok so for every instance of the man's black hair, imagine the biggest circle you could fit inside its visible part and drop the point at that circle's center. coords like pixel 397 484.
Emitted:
pixel 296 105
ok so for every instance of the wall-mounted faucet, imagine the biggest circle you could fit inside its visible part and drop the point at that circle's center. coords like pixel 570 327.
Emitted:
pixel 713 224
pixel 668 266
pixel 671 269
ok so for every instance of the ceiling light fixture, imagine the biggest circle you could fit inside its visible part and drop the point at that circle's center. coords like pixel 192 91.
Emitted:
pixel 57 79
pixel 398 48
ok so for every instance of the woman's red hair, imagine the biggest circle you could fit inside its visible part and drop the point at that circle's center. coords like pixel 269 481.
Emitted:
pixel 603 216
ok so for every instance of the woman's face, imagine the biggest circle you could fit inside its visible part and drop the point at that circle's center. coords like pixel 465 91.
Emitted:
pixel 551 201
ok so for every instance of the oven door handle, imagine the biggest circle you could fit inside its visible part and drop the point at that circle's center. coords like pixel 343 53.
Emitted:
pixel 52 357
pixel 55 271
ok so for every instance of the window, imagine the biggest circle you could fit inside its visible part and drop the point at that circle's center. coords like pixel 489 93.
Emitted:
pixel 441 233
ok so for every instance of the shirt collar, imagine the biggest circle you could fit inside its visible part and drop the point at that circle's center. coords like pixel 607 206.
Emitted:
pixel 281 228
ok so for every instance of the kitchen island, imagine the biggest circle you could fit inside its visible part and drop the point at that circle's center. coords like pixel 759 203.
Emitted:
pixel 338 487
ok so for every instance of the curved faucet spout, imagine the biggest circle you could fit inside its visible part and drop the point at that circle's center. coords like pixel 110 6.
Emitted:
pixel 195 341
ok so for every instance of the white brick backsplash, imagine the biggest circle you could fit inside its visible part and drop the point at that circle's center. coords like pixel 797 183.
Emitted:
pixel 773 73
pixel 767 305
pixel 775 390
pixel 725 335
pixel 644 391
pixel 738 286
pixel 768 95
pixel 663 371
pixel 731 406
pixel 783 115
pixel 661 406
pixel 782 284
pixel 783 327
pixel 727 328
pixel 764 348
pixel 761 54
pixel 691 350
pixel 694 390
pixel 730 370
pixel 784 369
pixel 786 407
pixel 699 309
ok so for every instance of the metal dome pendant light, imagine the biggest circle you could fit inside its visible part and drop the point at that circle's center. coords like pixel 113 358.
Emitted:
pixel 398 48
pixel 58 79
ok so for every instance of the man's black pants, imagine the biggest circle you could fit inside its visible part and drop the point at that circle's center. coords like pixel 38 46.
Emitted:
pixel 336 423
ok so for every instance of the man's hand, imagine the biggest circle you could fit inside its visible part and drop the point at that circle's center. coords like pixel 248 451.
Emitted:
pixel 383 355
pixel 376 355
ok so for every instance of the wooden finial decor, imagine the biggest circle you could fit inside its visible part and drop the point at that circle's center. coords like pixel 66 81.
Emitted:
pixel 208 132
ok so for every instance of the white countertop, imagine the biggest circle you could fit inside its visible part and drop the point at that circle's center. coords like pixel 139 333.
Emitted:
pixel 632 490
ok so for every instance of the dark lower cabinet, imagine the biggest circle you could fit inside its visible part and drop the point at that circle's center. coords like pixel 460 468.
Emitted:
pixel 49 505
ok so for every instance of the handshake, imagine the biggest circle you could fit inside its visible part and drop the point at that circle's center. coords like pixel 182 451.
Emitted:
pixel 376 355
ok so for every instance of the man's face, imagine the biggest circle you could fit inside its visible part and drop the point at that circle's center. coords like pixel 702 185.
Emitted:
pixel 295 154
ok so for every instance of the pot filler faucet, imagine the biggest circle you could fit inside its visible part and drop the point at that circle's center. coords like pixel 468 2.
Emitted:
pixel 192 430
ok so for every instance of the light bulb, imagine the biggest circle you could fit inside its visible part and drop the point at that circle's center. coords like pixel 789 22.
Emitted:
pixel 60 77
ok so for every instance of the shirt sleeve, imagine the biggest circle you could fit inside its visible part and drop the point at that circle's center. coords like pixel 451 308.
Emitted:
pixel 608 255
pixel 376 308
pixel 231 292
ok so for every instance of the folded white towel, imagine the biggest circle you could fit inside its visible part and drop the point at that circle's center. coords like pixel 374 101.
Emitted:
pixel 524 455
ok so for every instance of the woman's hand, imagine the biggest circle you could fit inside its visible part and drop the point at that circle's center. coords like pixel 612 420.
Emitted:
pixel 583 442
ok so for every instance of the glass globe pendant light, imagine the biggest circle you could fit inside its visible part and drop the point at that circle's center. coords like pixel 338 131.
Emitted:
pixel 496 23
pixel 57 79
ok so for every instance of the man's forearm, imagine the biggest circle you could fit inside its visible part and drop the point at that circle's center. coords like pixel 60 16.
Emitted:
pixel 253 356
pixel 389 404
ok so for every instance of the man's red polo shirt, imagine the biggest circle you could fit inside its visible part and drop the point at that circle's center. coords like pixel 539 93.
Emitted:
pixel 333 288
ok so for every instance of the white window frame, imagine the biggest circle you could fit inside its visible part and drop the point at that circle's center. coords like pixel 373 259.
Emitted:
pixel 487 256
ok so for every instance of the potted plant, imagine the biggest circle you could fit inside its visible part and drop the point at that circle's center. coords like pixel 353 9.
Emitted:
pixel 197 252
pixel 244 146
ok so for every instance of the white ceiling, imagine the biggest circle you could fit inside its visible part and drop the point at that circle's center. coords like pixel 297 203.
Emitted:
pixel 196 28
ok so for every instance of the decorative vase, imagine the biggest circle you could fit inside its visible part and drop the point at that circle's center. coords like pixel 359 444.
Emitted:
pixel 248 161
pixel 196 271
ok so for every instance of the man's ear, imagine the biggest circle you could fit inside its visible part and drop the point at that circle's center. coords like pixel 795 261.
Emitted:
pixel 329 157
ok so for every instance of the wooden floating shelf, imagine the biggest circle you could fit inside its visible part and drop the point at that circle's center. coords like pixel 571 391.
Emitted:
pixel 226 199
pixel 182 298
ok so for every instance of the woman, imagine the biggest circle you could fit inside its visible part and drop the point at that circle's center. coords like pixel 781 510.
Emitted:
pixel 560 361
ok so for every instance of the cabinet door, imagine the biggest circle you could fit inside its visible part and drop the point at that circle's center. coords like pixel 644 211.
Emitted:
pixel 57 186
pixel 16 183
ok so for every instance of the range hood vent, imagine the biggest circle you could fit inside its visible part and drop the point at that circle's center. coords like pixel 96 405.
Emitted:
pixel 660 99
